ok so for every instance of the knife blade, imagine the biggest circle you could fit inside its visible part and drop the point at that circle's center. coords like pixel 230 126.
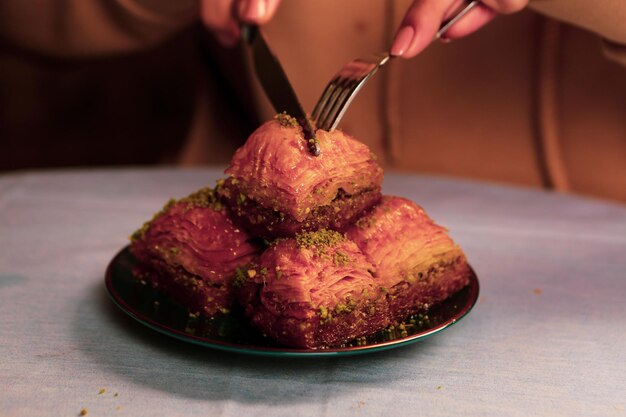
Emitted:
pixel 276 84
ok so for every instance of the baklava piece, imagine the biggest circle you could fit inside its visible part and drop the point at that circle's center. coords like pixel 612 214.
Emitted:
pixel 276 188
pixel 313 291
pixel 190 250
pixel 417 263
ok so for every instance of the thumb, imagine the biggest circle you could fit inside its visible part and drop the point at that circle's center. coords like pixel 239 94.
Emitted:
pixel 257 11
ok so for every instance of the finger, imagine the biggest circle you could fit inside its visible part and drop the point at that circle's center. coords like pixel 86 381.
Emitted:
pixel 419 26
pixel 471 22
pixel 257 11
pixel 454 8
pixel 217 16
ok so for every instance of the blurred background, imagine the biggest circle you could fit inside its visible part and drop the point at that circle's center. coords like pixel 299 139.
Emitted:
pixel 127 109
pixel 64 112
pixel 528 100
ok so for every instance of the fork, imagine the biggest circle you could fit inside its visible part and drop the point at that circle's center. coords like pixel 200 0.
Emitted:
pixel 351 78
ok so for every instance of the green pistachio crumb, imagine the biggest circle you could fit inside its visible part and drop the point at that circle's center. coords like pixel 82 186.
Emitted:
pixel 340 259
pixel 347 307
pixel 325 315
pixel 240 277
pixel 205 198
pixel 320 239
pixel 365 222
pixel 286 120
pixel 341 308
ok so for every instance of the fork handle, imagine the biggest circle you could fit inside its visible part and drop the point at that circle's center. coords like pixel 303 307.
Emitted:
pixel 448 23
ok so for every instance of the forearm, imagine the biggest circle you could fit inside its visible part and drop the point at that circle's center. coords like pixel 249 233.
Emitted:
pixel 80 28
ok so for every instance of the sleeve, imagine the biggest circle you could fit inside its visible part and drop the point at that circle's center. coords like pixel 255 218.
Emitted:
pixel 603 17
pixel 83 28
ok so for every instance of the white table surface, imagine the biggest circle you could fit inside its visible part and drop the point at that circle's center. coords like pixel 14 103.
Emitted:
pixel 547 337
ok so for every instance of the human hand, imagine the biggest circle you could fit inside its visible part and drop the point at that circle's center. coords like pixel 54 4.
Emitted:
pixel 223 17
pixel 424 17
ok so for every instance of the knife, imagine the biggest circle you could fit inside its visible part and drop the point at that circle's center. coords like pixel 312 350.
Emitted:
pixel 276 84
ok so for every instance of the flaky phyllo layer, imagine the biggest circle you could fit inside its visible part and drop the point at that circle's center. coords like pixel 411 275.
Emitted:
pixel 304 245
pixel 416 262
pixel 313 290
pixel 325 288
pixel 275 169
pixel 192 248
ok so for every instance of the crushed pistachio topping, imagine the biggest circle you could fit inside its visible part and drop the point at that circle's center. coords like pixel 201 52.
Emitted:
pixel 286 120
pixel 361 341
pixel 241 277
pixel 403 331
pixel 325 315
pixel 204 198
pixel 365 222
pixel 346 307
pixel 138 234
pixel 420 319
pixel 340 259
pixel 320 240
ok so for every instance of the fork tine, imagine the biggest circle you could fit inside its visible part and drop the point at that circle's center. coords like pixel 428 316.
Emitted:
pixel 351 94
pixel 335 108
pixel 343 88
pixel 340 107
pixel 324 97
pixel 345 85
pixel 330 102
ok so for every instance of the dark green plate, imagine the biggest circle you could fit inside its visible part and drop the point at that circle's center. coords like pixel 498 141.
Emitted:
pixel 231 332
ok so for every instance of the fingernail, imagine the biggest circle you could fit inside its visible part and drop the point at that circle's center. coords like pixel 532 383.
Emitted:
pixel 444 39
pixel 255 10
pixel 402 41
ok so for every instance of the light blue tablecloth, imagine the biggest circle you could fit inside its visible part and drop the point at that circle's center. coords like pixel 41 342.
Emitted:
pixel 547 337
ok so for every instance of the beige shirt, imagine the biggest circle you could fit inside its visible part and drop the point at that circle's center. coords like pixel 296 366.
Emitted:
pixel 527 100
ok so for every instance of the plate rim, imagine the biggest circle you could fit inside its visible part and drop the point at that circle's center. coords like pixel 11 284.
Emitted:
pixel 119 301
